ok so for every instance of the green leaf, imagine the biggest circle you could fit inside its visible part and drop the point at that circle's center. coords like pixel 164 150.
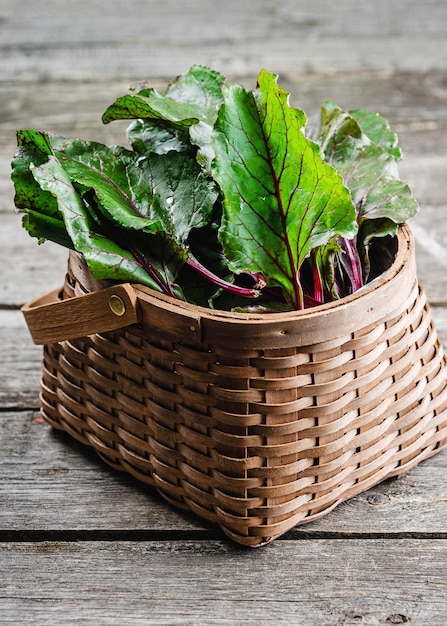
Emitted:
pixel 180 117
pixel 198 93
pixel 42 218
pixel 152 106
pixel 378 130
pixel 151 193
pixel 46 227
pixel 364 150
pixel 368 169
pixel 205 247
pixel 146 136
pixel 193 97
pixel 92 197
pixel 33 147
pixel 280 199
pixel 339 135
pixel 203 86
pixel 184 196
pixel 105 258
pixel 114 175
pixel 370 229
pixel 200 85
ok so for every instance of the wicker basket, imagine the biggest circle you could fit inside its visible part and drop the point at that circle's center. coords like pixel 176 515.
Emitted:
pixel 254 422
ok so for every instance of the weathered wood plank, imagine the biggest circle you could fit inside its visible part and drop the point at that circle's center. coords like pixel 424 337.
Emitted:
pixel 231 21
pixel 48 482
pixel 430 233
pixel 307 583
pixel 28 270
pixel 19 365
pixel 56 40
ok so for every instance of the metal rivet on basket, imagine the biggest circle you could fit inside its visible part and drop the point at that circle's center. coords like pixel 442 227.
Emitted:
pixel 117 305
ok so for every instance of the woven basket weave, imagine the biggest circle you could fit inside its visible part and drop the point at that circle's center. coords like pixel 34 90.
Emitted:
pixel 254 422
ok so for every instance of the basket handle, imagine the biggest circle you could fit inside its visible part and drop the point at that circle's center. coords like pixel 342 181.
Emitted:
pixel 51 319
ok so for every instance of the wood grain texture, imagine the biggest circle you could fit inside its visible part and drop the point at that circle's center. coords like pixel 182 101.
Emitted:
pixel 305 583
pixel 51 319
pixel 62 41
pixel 27 270
pixel 48 482
pixel 19 364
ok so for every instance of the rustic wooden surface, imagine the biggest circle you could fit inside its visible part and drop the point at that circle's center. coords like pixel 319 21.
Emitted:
pixel 82 544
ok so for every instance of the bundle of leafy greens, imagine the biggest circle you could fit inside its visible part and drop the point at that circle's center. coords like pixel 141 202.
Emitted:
pixel 226 198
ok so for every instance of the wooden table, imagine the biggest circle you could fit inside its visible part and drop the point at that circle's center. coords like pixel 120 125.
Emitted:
pixel 82 544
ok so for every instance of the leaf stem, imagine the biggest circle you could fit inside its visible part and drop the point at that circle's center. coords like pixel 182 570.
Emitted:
pixel 318 292
pixel 352 264
pixel 246 292
pixel 142 262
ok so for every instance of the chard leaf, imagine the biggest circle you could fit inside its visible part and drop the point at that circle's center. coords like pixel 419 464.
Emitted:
pixel 114 176
pixel 152 106
pixel 184 196
pixel 42 218
pixel 339 134
pixel 105 258
pixel 378 130
pixel 280 199
pixel 146 136
pixel 193 97
pixel 376 228
pixel 46 227
pixel 154 193
pixel 180 117
pixel 368 169
pixel 200 85
pixel 387 198
pixel 351 263
pixel 33 147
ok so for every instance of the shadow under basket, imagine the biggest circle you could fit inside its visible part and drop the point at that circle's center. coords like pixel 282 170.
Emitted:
pixel 256 423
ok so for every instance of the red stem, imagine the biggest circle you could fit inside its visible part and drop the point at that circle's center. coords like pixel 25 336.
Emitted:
pixel 246 292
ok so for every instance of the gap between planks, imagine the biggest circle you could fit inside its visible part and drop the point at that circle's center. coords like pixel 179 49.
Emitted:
pixel 69 536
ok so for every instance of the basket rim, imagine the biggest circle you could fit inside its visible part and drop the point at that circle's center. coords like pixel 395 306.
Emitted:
pixel 385 294
pixel 405 244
